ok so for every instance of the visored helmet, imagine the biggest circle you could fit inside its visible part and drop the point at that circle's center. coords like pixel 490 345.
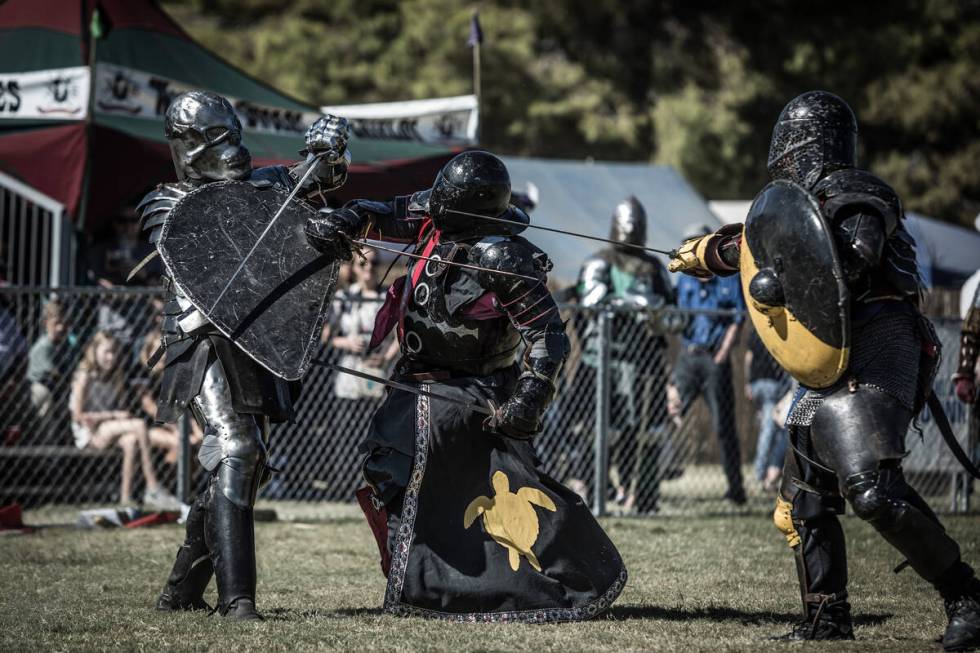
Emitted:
pixel 474 182
pixel 816 134
pixel 205 138
pixel 629 222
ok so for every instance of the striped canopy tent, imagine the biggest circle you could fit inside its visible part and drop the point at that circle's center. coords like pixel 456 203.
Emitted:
pixel 83 88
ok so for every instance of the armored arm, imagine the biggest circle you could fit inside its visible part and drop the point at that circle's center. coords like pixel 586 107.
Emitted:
pixel 861 238
pixel 969 348
pixel 705 256
pixel 331 231
pixel 533 312
pixel 593 285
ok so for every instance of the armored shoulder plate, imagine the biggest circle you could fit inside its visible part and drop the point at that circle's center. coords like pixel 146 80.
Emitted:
pixel 157 204
pixel 852 187
pixel 593 280
pixel 512 254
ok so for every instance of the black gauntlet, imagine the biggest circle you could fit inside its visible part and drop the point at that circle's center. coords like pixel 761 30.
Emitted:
pixel 332 232
pixel 520 416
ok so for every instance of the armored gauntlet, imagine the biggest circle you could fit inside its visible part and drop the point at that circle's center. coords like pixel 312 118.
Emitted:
pixel 332 232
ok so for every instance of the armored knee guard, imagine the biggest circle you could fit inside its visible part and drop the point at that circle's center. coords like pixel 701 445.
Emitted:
pixel 883 499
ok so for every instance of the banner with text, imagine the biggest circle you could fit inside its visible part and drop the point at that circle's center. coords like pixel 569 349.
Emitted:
pixel 450 120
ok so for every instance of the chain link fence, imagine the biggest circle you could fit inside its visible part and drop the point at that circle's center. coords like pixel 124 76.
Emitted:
pixel 634 428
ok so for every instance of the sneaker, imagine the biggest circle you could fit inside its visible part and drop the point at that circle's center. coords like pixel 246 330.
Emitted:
pixel 159 499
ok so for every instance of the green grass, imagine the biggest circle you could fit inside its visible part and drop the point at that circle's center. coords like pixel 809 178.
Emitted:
pixel 696 584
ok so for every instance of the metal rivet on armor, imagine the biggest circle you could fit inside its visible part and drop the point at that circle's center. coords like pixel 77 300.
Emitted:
pixel 421 294
pixel 413 342
pixel 432 268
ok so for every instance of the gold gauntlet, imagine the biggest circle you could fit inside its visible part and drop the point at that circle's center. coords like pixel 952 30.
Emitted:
pixel 690 257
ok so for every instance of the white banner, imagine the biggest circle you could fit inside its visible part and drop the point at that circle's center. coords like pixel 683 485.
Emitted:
pixel 55 94
pixel 126 92
pixel 450 120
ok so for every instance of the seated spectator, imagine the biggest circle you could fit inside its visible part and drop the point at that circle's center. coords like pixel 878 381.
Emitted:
pixel 765 385
pixel 101 418
pixel 50 361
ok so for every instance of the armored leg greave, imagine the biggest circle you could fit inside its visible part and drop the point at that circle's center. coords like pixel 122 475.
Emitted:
pixel 192 569
pixel 230 533
pixel 234 451
pixel 885 500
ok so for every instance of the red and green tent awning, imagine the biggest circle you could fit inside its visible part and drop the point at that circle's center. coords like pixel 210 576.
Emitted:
pixel 142 59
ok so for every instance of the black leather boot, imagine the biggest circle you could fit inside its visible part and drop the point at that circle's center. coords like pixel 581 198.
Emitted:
pixel 828 617
pixel 230 534
pixel 192 569
pixel 960 590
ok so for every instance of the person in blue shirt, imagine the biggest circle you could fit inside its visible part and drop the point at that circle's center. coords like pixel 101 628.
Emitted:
pixel 704 365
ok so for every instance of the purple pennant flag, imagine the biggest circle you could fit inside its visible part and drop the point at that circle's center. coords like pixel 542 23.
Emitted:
pixel 476 34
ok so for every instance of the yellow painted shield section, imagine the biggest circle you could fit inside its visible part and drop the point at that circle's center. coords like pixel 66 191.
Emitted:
pixel 805 357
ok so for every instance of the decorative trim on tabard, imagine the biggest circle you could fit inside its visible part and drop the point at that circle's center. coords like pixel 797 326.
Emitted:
pixel 406 525
pixel 406 535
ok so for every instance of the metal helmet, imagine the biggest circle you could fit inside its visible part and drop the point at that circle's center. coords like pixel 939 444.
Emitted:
pixel 629 222
pixel 816 134
pixel 474 182
pixel 205 138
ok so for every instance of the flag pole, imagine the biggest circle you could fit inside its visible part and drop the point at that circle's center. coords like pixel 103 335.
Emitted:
pixel 475 41
pixel 476 90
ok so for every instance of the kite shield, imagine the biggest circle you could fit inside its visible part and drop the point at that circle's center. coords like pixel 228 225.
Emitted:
pixel 275 306
pixel 794 285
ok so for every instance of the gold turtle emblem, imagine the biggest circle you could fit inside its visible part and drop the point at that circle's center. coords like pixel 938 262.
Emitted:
pixel 510 518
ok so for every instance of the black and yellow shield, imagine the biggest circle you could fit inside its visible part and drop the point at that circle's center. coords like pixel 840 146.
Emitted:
pixel 794 286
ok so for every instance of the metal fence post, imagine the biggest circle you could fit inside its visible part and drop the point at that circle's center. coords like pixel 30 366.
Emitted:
pixel 184 459
pixel 601 445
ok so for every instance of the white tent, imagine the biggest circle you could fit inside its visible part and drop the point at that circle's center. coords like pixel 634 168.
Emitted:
pixel 580 196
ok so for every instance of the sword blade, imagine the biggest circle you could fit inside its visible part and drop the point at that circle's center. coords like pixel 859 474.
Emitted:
pixel 444 262
pixel 671 253
pixel 405 386
pixel 265 231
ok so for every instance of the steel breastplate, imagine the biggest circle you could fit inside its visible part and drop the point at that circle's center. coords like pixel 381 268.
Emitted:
pixel 438 335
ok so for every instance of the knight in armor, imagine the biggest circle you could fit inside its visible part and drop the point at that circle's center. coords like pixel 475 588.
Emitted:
pixel 635 285
pixel 468 527
pixel 848 438
pixel 233 398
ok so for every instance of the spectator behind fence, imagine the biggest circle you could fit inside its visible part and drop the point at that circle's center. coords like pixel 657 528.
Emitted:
pixel 627 278
pixel 355 399
pixel 765 385
pixel 161 436
pixel 704 366
pixel 352 323
pixel 101 418
pixel 50 362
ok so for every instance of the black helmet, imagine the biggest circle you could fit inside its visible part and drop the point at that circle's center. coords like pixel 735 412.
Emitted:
pixel 816 134
pixel 472 182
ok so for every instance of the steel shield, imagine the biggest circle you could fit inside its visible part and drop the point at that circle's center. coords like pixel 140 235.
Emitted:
pixel 275 307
